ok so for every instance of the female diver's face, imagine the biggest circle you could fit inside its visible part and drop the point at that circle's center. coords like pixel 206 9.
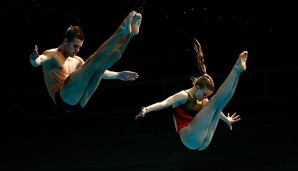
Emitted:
pixel 202 93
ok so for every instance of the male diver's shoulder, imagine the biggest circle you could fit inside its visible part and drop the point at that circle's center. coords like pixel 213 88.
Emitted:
pixel 50 51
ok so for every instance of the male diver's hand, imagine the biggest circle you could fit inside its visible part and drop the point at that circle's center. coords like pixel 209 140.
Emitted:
pixel 34 55
pixel 127 75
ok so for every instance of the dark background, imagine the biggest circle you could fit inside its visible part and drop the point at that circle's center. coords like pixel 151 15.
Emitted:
pixel 105 136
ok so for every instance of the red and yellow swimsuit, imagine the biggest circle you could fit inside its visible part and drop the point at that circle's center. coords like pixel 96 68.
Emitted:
pixel 185 113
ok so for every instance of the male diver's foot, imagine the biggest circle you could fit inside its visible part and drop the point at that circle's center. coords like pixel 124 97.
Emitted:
pixel 241 62
pixel 136 23
pixel 199 55
pixel 125 27
pixel 131 24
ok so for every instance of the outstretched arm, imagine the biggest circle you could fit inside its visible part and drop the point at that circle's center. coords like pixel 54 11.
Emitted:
pixel 123 75
pixel 174 100
pixel 229 119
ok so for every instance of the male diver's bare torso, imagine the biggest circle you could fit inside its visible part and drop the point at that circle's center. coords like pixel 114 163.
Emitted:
pixel 57 69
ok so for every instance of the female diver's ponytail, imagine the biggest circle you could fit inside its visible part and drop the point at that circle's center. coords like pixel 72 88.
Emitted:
pixel 204 80
pixel 199 56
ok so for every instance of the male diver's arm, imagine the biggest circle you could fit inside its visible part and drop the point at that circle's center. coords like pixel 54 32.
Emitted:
pixel 123 75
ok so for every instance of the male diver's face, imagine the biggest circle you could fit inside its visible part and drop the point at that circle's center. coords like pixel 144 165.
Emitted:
pixel 73 47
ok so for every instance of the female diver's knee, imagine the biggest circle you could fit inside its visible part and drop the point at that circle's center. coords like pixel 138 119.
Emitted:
pixel 203 147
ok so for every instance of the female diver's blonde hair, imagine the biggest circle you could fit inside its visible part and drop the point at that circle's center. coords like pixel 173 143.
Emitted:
pixel 204 80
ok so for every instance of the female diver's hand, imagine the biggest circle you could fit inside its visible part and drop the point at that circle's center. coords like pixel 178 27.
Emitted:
pixel 232 119
pixel 142 113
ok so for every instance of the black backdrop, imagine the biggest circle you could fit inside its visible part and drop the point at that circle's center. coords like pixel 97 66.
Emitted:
pixel 105 136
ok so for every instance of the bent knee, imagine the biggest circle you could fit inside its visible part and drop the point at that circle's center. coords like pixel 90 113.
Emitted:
pixel 203 147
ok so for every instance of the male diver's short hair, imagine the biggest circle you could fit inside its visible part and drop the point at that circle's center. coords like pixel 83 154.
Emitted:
pixel 74 31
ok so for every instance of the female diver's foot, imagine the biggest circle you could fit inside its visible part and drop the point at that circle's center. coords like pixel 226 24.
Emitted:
pixel 199 54
pixel 241 62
